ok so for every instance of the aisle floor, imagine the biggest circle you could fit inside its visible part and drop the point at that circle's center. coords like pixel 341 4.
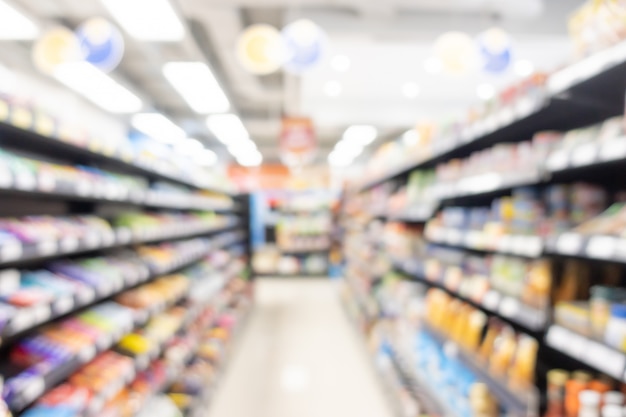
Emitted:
pixel 298 356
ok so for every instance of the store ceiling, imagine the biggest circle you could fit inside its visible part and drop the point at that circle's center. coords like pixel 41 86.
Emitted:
pixel 387 43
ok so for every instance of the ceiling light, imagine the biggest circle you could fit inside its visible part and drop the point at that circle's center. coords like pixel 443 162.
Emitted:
pixel 147 20
pixel 348 149
pixel 14 25
pixel 158 127
pixel 433 66
pixel 340 63
pixel 524 68
pixel 411 138
pixel 205 157
pixel 250 159
pixel 410 90
pixel 242 148
pixel 98 87
pixel 227 128
pixel 189 146
pixel 333 88
pixel 485 91
pixel 338 159
pixel 195 82
pixel 361 135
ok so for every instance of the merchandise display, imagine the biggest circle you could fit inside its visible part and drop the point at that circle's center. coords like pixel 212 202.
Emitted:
pixel 298 236
pixel 493 255
pixel 451 173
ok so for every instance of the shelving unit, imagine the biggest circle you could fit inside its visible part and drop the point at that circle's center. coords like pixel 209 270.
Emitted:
pixel 585 93
pixel 30 182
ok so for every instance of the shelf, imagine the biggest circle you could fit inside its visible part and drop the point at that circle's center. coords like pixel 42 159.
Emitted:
pixel 304 251
pixel 296 275
pixel 584 93
pixel 416 214
pixel 518 245
pixel 588 351
pixel 32 141
pixel 27 319
pixel 493 302
pixel 60 374
pixel 587 155
pixel 596 247
pixel 515 402
pixel 487 184
pixel 85 191
pixel 13 252
pixel 419 389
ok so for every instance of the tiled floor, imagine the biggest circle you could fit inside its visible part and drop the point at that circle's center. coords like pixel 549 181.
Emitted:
pixel 299 357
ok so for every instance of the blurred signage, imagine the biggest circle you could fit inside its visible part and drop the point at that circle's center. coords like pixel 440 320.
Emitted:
pixel 297 141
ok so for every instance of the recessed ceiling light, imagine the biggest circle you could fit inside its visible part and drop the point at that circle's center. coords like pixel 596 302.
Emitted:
pixel 252 158
pixel 333 88
pixel 340 63
pixel 410 90
pixel 189 146
pixel 195 82
pixel 147 20
pixel 485 91
pixel 524 68
pixel 228 129
pixel 362 135
pixel 339 159
pixel 411 137
pixel 345 148
pixel 433 66
pixel 205 157
pixel 158 127
pixel 97 87
pixel 14 25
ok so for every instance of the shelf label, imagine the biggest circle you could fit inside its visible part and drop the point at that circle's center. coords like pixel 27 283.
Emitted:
pixel 602 247
pixel 557 160
pixel 23 319
pixel 11 251
pixel 510 307
pixel 454 236
pixel 63 305
pixel 86 295
pixel 87 354
pixel 69 244
pixel 584 154
pixel 569 244
pixel 605 359
pixel 615 149
pixel 33 389
pixel 491 300
pixel 25 181
pixel 533 246
pixel 92 239
pixel 6 178
pixel 47 247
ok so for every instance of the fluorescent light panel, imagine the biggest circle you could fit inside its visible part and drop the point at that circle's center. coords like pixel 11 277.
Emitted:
pixel 98 87
pixel 251 159
pixel 205 157
pixel 147 20
pixel 195 82
pixel 362 135
pixel 158 127
pixel 189 146
pixel 228 129
pixel 14 25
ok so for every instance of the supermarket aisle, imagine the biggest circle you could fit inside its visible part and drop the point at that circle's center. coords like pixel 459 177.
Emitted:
pixel 299 357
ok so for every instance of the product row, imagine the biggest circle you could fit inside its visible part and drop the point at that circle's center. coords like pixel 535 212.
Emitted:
pixel 43 236
pixel 31 175
pixel 32 297
pixel 141 153
pixel 176 351
pixel 504 165
pixel 271 261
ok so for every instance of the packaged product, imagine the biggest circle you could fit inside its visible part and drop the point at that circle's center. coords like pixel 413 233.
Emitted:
pixel 522 371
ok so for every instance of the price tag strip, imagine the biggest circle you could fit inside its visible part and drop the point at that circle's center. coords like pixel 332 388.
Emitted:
pixel 588 351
